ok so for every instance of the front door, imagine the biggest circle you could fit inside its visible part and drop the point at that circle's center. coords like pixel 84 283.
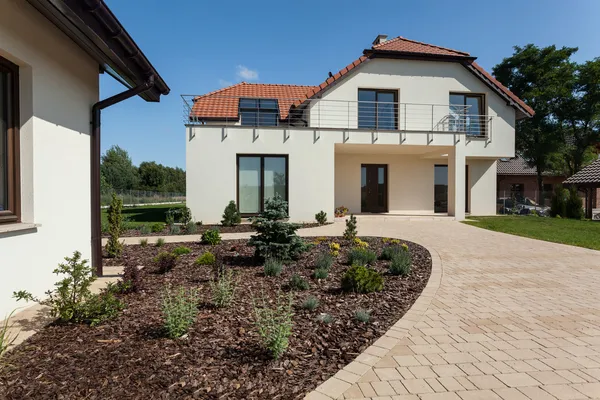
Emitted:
pixel 373 188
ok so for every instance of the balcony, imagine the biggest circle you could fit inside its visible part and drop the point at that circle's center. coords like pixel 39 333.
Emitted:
pixel 318 114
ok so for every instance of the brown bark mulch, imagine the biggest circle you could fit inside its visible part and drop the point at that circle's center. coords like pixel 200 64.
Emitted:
pixel 221 358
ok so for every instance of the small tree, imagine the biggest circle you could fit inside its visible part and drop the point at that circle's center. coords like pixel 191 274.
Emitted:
pixel 115 221
pixel 558 203
pixel 574 205
pixel 350 232
pixel 275 237
pixel 231 215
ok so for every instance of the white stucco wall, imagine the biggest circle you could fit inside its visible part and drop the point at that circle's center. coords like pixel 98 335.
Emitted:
pixel 483 181
pixel 58 86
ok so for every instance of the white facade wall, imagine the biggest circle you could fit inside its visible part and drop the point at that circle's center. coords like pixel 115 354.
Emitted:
pixel 58 86
pixel 321 178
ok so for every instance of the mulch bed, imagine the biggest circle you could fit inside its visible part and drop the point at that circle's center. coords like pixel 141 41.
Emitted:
pixel 221 358
pixel 201 228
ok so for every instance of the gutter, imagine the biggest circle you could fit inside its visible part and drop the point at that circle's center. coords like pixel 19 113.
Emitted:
pixel 95 165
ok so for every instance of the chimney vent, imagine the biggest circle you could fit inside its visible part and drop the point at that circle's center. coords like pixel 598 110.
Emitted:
pixel 379 39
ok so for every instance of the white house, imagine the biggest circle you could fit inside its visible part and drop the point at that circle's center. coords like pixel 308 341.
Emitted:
pixel 407 128
pixel 51 53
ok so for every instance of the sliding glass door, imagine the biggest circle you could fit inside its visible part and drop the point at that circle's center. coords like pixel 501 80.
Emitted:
pixel 260 177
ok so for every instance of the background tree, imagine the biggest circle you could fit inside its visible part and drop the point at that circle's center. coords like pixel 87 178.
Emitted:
pixel 117 168
pixel 538 77
pixel 152 175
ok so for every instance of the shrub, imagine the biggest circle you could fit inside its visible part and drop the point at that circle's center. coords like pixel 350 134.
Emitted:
pixel 72 300
pixel 401 263
pixel 114 248
pixel 404 247
pixel 362 315
pixel 231 215
pixel 360 243
pixel 341 211
pixel 157 227
pixel 274 323
pixel 132 280
pixel 362 256
pixel 321 273
pixel 179 214
pixel 273 267
pixel 361 279
pixel 191 228
pixel 334 249
pixel 160 242
pixel 223 289
pixel 390 251
pixel 206 258
pixel 325 318
pixel 165 261
pixel 276 238
pixel 558 202
pixel 321 217
pixel 310 303
pixel 144 230
pixel 185 216
pixel 298 283
pixel 179 309
pixel 574 205
pixel 211 236
pixel 350 232
pixel 6 337
pixel 324 261
pixel 174 229
pixel 181 250
pixel 144 242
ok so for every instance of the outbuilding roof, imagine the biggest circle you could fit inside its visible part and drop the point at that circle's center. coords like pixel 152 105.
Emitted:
pixel 589 175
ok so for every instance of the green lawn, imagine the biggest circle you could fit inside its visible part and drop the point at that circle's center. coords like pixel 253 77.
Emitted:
pixel 566 231
pixel 138 216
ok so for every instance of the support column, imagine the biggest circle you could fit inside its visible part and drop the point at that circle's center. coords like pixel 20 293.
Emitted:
pixel 457 179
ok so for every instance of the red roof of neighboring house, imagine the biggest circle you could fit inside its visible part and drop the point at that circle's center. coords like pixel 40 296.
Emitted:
pixel 212 105
pixel 224 103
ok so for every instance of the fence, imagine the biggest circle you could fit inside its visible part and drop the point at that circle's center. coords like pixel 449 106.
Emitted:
pixel 526 201
pixel 136 197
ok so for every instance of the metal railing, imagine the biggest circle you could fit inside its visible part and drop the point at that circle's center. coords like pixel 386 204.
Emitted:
pixel 338 114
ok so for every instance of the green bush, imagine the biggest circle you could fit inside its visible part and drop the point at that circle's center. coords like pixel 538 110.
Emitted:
pixel 191 228
pixel 558 202
pixel 321 273
pixel 179 309
pixel 144 242
pixel 362 315
pixel 361 279
pixel 211 236
pixel 574 205
pixel 325 318
pixel 321 217
pixel 160 242
pixel 165 261
pixel 273 267
pixel 157 227
pixel 182 215
pixel 324 261
pixel 145 230
pixel 231 215
pixel 174 229
pixel 181 250
pixel 276 238
pixel 72 300
pixel 310 303
pixel 390 251
pixel 362 256
pixel 274 324
pixel 401 263
pixel 207 258
pixel 223 289
pixel 114 248
pixel 298 283
pixel 131 280
pixel 350 232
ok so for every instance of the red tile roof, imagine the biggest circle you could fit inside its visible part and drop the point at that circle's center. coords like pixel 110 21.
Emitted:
pixel 403 45
pixel 224 103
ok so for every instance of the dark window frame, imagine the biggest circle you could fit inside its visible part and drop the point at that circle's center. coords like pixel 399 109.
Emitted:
pixel 274 111
pixel 482 112
pixel 377 91
pixel 262 157
pixel 13 212
pixel 467 189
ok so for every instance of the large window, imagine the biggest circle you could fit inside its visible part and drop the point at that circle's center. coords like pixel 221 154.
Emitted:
pixel 9 142
pixel 260 177
pixel 377 109
pixel 467 113
pixel 259 112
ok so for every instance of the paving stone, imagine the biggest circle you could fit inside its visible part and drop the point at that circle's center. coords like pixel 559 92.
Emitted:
pixel 479 395
pixel 517 379
pixel 417 386
pixel 563 392
pixel 486 382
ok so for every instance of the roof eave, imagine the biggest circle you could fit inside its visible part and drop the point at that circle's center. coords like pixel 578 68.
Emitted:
pixel 94 28
pixel 373 53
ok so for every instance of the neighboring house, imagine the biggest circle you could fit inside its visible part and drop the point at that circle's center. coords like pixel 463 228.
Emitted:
pixel 51 53
pixel 517 178
pixel 407 128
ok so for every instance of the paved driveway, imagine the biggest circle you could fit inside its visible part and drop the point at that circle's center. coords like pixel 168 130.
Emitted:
pixel 511 318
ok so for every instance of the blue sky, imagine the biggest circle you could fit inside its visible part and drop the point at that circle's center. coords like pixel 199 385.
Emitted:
pixel 199 46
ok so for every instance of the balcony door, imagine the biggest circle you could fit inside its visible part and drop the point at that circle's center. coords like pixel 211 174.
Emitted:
pixel 373 188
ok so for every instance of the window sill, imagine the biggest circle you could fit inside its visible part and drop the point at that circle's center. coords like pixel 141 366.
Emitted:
pixel 18 227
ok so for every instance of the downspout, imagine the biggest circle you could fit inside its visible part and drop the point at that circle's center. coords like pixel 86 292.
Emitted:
pixel 95 166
